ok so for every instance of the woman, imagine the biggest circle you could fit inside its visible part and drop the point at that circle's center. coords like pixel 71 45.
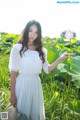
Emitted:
pixel 28 57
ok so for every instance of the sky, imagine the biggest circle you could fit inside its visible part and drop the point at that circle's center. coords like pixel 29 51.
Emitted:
pixel 54 17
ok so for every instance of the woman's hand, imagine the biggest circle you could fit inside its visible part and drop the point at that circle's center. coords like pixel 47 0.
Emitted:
pixel 66 55
pixel 63 57
pixel 13 100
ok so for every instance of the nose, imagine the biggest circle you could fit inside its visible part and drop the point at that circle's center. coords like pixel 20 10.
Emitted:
pixel 33 34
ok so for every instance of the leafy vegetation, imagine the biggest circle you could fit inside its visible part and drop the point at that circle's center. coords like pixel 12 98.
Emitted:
pixel 61 87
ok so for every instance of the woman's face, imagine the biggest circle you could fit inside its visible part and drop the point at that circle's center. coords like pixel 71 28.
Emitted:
pixel 33 33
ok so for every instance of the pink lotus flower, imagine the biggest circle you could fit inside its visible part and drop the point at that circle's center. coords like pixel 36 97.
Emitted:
pixel 69 34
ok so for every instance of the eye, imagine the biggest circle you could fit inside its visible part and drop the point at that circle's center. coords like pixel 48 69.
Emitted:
pixel 36 32
pixel 30 30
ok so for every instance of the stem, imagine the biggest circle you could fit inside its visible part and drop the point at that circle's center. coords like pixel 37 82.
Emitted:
pixel 70 43
pixel 70 48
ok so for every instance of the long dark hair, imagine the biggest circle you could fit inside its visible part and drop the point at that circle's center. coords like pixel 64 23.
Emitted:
pixel 37 42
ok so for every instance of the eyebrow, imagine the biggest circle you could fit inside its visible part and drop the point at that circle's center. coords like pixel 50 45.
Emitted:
pixel 31 29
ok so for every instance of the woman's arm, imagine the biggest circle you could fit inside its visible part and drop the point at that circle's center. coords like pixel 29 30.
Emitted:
pixel 54 65
pixel 13 82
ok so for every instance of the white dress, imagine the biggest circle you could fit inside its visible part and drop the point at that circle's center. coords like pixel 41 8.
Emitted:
pixel 28 84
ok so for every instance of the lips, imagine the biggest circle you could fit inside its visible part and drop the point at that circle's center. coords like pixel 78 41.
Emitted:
pixel 31 38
